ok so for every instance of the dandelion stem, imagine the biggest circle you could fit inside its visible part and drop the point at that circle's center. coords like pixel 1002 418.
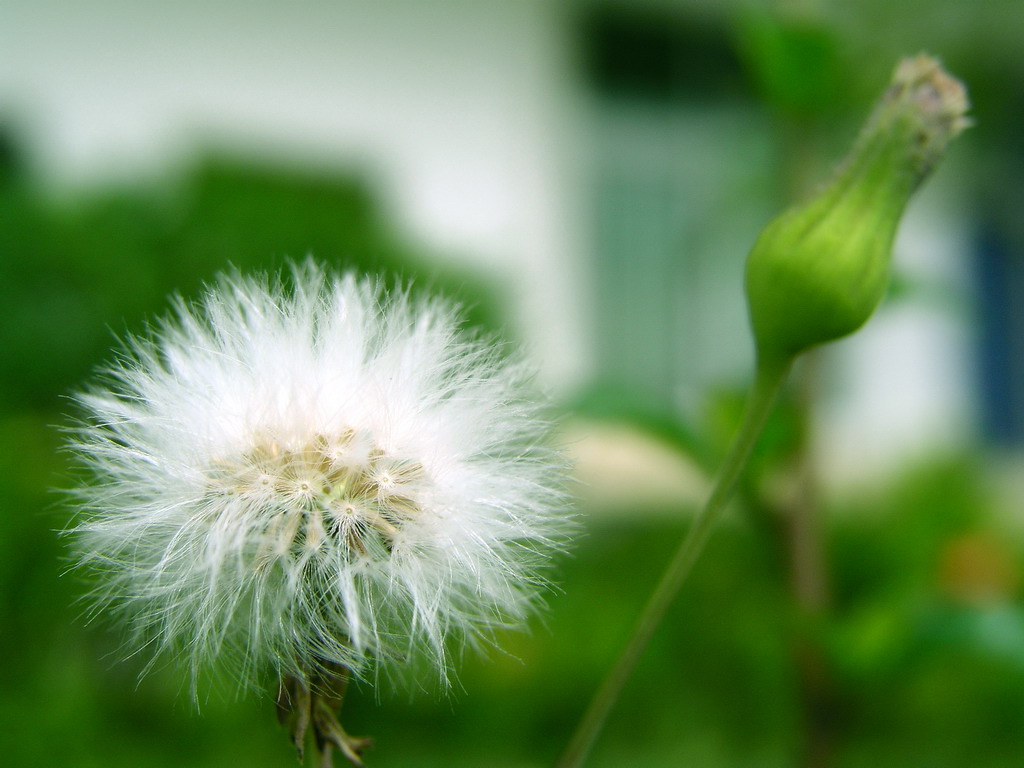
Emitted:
pixel 767 383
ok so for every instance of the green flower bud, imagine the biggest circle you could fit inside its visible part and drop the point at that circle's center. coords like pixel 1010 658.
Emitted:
pixel 818 271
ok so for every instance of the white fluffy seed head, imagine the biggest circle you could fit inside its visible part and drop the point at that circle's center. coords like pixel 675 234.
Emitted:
pixel 286 479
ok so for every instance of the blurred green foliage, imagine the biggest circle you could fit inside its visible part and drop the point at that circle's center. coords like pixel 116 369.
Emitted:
pixel 925 638
pixel 77 270
pixel 793 60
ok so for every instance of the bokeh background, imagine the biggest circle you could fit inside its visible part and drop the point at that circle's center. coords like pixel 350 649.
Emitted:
pixel 585 177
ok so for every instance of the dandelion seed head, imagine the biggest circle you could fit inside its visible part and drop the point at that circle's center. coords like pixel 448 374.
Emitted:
pixel 291 479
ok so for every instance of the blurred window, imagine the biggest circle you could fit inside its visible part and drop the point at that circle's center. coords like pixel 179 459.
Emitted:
pixel 679 184
pixel 1000 281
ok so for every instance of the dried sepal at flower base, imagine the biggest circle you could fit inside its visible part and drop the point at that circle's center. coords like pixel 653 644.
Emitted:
pixel 300 708
pixel 314 481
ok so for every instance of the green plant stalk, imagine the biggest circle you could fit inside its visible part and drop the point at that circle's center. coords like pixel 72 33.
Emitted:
pixel 768 380
pixel 816 273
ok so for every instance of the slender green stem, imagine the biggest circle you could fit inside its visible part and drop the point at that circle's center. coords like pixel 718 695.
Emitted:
pixel 768 381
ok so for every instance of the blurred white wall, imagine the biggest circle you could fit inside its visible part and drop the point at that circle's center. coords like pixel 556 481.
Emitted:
pixel 456 109
pixel 467 115
pixel 903 386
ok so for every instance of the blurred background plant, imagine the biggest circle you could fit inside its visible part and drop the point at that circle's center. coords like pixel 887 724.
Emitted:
pixel 586 178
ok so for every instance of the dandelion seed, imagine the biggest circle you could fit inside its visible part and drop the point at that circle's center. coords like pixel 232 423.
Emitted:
pixel 316 481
